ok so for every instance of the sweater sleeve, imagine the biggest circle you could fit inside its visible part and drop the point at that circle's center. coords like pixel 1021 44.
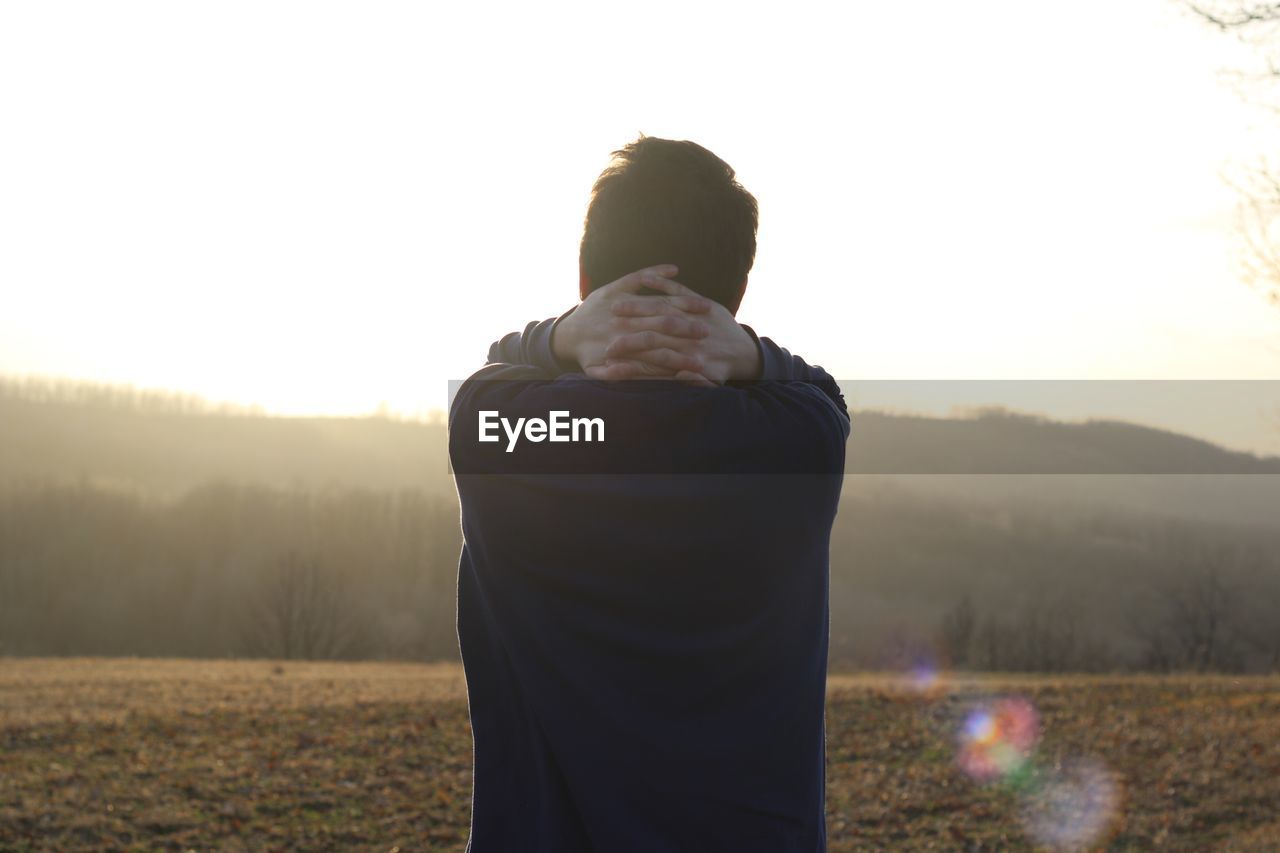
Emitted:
pixel 778 364
pixel 532 347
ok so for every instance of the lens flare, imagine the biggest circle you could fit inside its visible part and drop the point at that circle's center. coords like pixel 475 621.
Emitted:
pixel 996 739
pixel 924 678
pixel 921 674
pixel 1074 807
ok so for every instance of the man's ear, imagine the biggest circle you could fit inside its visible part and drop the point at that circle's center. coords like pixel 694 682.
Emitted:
pixel 584 282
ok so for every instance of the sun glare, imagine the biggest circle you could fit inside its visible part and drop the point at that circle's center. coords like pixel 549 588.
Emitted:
pixel 320 210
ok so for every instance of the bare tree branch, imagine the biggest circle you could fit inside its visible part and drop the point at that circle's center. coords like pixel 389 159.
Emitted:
pixel 1258 25
pixel 1233 16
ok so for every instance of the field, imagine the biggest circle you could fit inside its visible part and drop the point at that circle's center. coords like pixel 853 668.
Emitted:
pixel 263 755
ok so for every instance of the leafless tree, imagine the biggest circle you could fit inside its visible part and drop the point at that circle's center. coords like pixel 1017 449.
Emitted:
pixel 1260 628
pixel 1198 621
pixel 1204 608
pixel 1259 226
pixel 1256 24
pixel 1043 637
pixel 957 632
pixel 303 613
pixel 1034 641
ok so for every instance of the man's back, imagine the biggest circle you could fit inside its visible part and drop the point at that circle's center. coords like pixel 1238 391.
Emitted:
pixel 645 649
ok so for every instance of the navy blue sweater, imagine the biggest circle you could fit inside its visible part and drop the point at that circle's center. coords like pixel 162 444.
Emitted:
pixel 644 621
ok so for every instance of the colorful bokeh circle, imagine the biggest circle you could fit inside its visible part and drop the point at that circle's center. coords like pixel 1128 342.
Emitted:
pixel 997 739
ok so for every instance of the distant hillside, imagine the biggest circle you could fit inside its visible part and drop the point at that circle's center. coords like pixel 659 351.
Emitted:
pixel 1001 442
pixel 1057 570
pixel 167 445
pixel 162 448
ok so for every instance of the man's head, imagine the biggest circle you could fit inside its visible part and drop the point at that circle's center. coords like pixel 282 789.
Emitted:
pixel 666 201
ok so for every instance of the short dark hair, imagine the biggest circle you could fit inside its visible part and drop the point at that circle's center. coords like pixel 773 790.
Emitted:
pixel 667 201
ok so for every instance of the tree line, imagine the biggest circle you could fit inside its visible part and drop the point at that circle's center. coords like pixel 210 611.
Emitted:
pixel 229 570
pixel 244 570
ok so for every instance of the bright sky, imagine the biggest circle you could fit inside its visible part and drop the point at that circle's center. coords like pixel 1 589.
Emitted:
pixel 321 207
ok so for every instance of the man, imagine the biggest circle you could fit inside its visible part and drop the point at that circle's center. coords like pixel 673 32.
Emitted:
pixel 643 613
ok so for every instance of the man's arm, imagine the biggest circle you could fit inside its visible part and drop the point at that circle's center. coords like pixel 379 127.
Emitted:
pixel 576 341
pixel 731 352
pixel 777 363
pixel 618 333
pixel 533 347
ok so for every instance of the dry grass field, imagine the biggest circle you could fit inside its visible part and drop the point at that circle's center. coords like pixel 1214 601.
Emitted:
pixel 261 755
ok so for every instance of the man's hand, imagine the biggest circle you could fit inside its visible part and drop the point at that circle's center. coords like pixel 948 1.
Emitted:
pixel 726 351
pixel 619 333
pixel 585 334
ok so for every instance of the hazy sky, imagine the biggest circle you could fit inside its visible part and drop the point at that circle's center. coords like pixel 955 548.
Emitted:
pixel 319 207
